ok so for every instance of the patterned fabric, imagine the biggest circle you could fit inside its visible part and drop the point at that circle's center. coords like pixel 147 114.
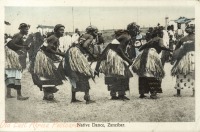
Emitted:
pixel 185 66
pixel 149 84
pixel 185 81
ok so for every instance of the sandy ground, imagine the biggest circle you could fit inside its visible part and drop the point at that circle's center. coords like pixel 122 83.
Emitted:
pixel 165 109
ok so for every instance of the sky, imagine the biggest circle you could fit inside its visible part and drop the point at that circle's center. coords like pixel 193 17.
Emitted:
pixel 101 17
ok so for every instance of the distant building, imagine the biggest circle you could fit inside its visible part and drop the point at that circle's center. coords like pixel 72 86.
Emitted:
pixel 43 29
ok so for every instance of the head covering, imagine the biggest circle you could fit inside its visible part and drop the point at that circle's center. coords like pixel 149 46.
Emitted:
pixel 190 28
pixel 76 30
pixel 91 29
pixel 23 25
pixel 57 27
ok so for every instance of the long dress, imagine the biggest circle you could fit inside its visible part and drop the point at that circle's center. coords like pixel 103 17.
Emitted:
pixel 184 67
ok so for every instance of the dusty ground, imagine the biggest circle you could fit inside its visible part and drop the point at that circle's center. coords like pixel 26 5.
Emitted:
pixel 165 109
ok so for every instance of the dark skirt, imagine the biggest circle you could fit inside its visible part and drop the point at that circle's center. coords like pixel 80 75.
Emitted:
pixel 117 83
pixel 80 83
pixel 149 84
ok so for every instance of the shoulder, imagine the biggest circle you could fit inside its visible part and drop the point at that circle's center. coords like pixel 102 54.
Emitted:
pixel 52 38
pixel 18 35
pixel 124 37
pixel 87 36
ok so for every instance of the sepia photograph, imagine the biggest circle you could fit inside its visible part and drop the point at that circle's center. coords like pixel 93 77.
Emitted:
pixel 98 66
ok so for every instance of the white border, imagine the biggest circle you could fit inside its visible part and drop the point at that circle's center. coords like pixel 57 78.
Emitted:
pixel 186 127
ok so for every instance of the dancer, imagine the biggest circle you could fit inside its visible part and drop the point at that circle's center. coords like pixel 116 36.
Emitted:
pixel 148 65
pixel 184 66
pixel 48 68
pixel 14 53
pixel 77 67
pixel 115 66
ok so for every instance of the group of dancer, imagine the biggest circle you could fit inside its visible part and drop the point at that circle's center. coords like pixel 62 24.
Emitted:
pixel 50 66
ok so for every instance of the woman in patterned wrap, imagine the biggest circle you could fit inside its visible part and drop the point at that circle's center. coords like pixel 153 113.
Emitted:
pixel 77 67
pixel 48 69
pixel 148 65
pixel 15 50
pixel 115 66
pixel 184 66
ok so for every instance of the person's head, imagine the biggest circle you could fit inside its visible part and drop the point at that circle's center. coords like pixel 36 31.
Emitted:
pixel 170 37
pixel 168 27
pixel 179 25
pixel 92 30
pixel 59 30
pixel 99 33
pixel 150 29
pixel 77 31
pixel 157 32
pixel 172 27
pixel 190 29
pixel 23 27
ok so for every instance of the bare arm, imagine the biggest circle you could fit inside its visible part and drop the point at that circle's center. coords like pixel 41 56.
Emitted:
pixel 120 49
pixel 13 43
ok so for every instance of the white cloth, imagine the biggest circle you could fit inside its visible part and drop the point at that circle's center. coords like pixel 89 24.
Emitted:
pixel 165 38
pixel 65 43
pixel 180 32
pixel 185 34
pixel 17 74
pixel 75 38
pixel 115 41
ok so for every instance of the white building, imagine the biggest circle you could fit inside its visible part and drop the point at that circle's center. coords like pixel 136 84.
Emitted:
pixel 44 29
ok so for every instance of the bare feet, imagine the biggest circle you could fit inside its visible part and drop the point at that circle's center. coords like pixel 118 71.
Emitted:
pixel 10 96
pixel 22 98
pixel 177 95
pixel 75 101
pixel 90 101
pixel 142 96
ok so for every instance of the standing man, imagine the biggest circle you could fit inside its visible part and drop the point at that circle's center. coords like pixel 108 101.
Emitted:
pixel 76 36
pixel 77 67
pixel 179 32
pixel 48 68
pixel 133 30
pixel 15 59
